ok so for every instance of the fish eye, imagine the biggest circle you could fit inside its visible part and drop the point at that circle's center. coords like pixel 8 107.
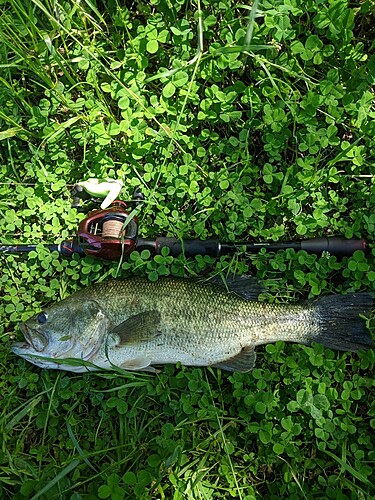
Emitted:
pixel 42 318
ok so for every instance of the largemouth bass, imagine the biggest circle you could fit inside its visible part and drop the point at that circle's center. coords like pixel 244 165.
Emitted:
pixel 135 324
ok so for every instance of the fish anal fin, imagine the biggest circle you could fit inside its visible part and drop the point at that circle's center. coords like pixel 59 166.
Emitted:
pixel 139 328
pixel 244 361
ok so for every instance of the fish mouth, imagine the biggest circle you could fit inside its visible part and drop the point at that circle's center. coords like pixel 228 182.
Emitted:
pixel 34 340
pixel 20 347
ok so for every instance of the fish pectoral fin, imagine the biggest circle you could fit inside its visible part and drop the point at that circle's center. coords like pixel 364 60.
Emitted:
pixel 139 328
pixel 242 362
pixel 137 364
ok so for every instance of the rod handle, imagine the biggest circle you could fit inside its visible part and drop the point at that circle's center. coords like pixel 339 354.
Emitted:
pixel 190 248
pixel 340 247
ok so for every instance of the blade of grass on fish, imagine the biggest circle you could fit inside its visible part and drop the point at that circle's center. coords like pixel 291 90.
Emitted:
pixel 58 478
pixel 66 361
pixel 114 367
pixel 78 448
pixel 115 371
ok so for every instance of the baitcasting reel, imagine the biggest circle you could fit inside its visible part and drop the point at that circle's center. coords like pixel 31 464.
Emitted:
pixel 108 234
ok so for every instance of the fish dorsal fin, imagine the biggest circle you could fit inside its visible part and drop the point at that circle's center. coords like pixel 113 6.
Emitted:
pixel 141 327
pixel 248 287
pixel 242 362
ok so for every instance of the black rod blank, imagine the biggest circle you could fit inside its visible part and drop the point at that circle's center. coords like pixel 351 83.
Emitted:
pixel 190 248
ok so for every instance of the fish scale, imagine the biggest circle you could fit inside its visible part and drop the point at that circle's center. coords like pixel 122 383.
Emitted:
pixel 136 324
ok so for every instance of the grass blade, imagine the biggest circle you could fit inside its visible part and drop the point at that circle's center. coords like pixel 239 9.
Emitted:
pixel 78 448
pixel 10 132
pixel 58 478
pixel 250 25
pixel 19 416
pixel 348 468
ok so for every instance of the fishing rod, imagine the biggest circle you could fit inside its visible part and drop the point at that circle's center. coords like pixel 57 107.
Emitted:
pixel 112 234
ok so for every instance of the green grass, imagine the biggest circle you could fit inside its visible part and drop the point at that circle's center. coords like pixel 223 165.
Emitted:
pixel 235 121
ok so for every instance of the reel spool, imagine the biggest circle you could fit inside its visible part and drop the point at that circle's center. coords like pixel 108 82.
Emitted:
pixel 108 234
pixel 112 226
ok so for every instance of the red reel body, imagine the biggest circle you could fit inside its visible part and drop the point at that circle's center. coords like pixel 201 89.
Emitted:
pixel 108 234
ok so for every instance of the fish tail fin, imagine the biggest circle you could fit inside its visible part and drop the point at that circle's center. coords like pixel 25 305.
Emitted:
pixel 341 327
